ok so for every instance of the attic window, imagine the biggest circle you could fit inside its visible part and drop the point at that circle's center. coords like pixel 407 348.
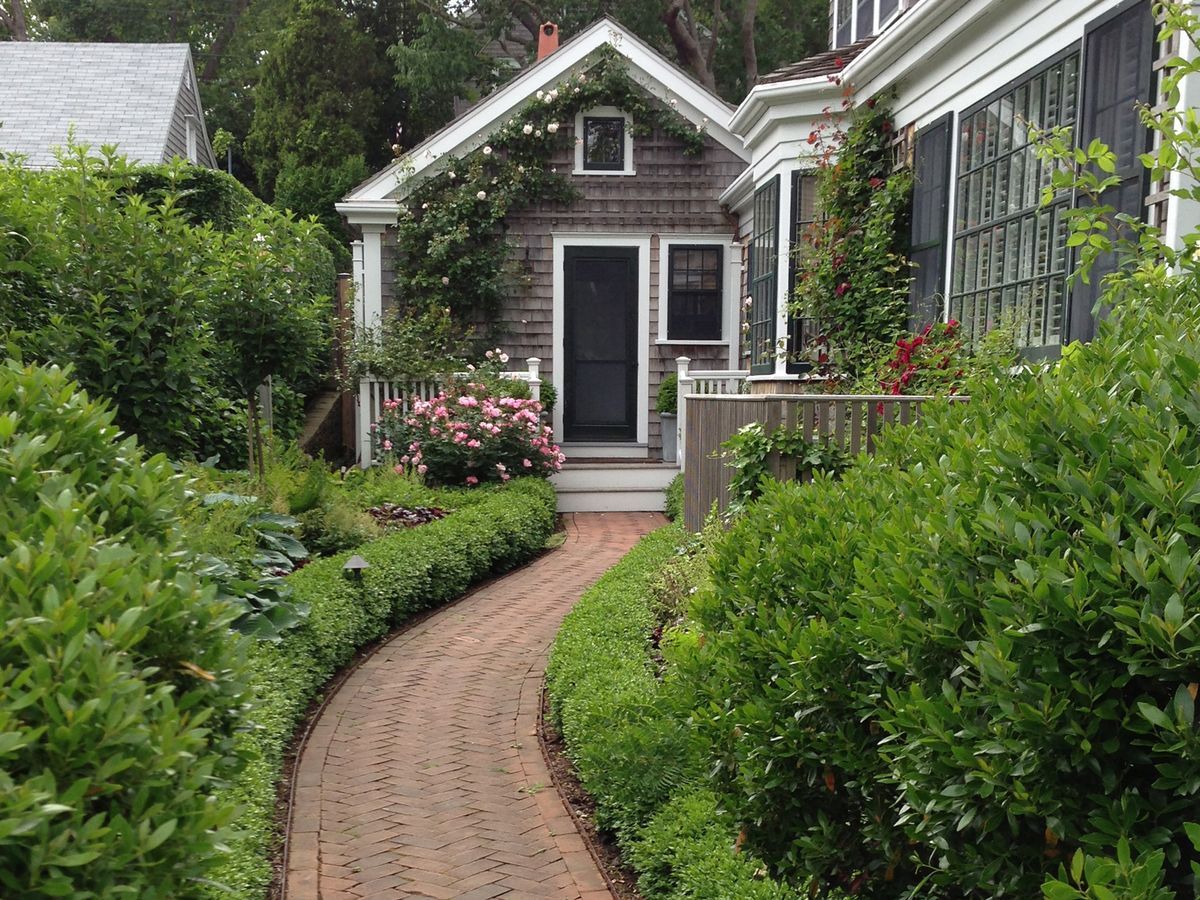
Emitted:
pixel 605 142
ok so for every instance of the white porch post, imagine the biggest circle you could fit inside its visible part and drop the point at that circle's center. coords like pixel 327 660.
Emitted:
pixel 372 272
pixel 363 421
pixel 356 255
pixel 783 243
pixel 682 389
pixel 535 382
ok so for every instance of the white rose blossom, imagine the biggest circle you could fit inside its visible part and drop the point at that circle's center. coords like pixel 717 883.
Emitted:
pixel 482 195
pixel 487 151
pixel 528 129
pixel 552 127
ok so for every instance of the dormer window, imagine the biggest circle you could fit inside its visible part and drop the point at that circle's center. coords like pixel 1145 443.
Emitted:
pixel 856 20
pixel 605 145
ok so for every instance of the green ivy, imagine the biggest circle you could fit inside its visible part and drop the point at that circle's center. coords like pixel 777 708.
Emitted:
pixel 853 274
pixel 749 449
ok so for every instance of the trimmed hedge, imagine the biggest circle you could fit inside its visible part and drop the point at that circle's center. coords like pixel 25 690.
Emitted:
pixel 634 753
pixel 674 507
pixel 409 571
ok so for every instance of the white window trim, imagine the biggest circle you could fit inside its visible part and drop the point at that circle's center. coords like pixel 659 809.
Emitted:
pixel 610 112
pixel 730 284
pixel 558 330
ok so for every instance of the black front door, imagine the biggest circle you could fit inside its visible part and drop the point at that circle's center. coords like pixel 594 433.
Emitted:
pixel 600 344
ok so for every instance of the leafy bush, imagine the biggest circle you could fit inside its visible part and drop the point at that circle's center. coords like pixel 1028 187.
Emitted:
pixel 938 362
pixel 467 435
pixel 122 684
pixel 632 747
pixel 410 570
pixel 996 621
pixel 667 400
pixel 747 452
pixel 117 271
pixel 674 492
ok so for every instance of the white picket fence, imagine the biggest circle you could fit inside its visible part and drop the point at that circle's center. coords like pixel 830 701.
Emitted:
pixel 374 392
pixel 707 383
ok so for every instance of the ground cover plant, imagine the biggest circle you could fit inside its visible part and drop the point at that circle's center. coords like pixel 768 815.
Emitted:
pixel 489 530
pixel 630 741
pixel 123 683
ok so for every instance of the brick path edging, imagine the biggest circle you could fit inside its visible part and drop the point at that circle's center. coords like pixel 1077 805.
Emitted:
pixel 424 774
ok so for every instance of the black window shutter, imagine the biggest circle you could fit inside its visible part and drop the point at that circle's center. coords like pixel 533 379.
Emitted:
pixel 1118 65
pixel 931 206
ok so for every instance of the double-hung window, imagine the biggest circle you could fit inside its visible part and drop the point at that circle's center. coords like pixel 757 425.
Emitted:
pixel 694 292
pixel 1010 253
pixel 603 143
pixel 763 277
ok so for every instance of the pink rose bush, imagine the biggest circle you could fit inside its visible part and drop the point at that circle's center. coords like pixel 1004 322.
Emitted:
pixel 468 435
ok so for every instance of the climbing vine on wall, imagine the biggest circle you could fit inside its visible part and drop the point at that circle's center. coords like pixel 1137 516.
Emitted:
pixel 853 277
pixel 453 252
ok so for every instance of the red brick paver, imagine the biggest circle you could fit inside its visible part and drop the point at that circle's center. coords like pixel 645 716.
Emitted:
pixel 423 776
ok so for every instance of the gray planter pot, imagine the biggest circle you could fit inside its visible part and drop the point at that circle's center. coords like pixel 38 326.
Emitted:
pixel 670 437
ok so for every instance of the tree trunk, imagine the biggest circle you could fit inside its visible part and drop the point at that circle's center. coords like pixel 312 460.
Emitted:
pixel 13 18
pixel 749 50
pixel 213 64
pixel 687 43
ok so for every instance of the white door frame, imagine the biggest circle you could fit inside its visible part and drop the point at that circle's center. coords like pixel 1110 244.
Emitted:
pixel 641 243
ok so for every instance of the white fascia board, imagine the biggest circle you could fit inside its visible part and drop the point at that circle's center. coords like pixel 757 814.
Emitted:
pixel 740 190
pixel 891 52
pixel 469 131
pixel 369 212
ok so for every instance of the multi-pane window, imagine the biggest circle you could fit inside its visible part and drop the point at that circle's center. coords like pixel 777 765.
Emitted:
pixel 694 293
pixel 802 330
pixel 927 227
pixel 854 20
pixel 1010 254
pixel 841 23
pixel 604 143
pixel 764 277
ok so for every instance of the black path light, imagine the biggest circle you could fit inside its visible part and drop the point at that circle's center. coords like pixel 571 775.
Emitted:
pixel 354 567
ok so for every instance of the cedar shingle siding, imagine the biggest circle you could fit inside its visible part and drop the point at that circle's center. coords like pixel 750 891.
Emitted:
pixel 670 195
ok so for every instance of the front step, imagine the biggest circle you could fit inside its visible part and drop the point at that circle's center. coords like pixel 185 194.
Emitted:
pixel 612 486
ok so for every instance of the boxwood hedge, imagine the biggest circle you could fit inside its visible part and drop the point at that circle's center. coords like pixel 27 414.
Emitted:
pixel 633 750
pixel 410 571
pixel 979 651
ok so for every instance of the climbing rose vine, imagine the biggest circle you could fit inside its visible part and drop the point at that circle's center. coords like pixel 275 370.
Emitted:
pixel 468 435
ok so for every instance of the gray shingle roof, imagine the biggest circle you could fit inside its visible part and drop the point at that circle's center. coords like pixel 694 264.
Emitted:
pixel 123 94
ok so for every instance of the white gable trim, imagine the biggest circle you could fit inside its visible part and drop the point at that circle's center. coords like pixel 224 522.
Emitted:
pixel 469 131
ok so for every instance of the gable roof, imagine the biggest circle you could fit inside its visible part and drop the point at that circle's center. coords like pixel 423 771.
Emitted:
pixel 375 199
pixel 123 94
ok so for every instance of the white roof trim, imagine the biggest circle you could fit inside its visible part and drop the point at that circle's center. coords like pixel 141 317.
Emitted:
pixel 658 75
pixel 890 49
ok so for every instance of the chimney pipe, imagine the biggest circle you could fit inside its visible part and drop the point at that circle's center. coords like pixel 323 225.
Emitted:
pixel 547 40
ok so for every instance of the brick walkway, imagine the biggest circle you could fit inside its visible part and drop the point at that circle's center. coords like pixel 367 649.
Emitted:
pixel 423 777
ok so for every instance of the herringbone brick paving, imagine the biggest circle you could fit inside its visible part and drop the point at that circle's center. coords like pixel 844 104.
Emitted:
pixel 423 776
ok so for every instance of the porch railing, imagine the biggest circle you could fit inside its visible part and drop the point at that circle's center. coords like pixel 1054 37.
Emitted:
pixel 374 392
pixel 852 422
pixel 704 383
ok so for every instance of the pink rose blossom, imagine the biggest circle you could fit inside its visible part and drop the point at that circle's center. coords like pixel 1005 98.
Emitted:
pixel 422 469
pixel 527 463
pixel 471 479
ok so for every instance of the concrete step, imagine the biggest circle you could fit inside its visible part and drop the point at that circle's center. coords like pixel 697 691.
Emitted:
pixel 612 486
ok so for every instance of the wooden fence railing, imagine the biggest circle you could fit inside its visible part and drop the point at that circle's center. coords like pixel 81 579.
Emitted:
pixel 850 421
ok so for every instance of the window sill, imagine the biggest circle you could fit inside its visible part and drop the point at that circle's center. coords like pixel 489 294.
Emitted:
pixel 661 342
pixel 604 172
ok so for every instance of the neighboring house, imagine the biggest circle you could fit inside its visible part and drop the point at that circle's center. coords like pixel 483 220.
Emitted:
pixel 969 76
pixel 642 269
pixel 142 98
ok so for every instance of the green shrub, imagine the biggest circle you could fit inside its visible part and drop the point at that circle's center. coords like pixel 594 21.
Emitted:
pixel 634 751
pixel 122 683
pixel 667 400
pixel 409 571
pixel 675 498
pixel 996 623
